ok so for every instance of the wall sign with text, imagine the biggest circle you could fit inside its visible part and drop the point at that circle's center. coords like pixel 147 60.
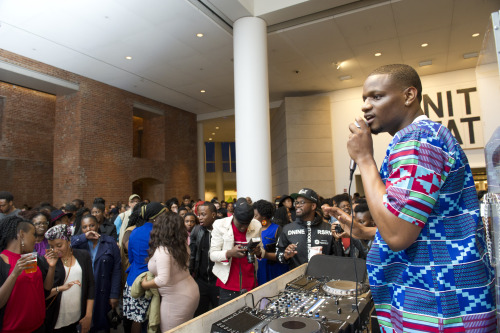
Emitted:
pixel 458 109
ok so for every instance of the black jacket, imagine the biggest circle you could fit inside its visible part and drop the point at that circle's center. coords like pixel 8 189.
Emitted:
pixel 200 265
pixel 108 228
pixel 88 291
pixel 307 234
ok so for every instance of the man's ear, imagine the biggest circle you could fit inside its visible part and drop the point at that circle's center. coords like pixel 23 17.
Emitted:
pixel 410 95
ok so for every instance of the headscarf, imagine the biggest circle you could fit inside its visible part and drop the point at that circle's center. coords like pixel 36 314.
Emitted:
pixel 60 231
pixel 152 210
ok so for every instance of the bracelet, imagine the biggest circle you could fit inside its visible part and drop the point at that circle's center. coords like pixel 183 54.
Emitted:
pixel 57 289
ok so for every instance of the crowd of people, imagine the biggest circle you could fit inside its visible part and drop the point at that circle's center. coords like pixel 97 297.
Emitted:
pixel 193 255
pixel 418 227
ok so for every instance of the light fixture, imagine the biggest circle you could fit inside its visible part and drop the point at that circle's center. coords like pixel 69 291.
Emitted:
pixel 475 34
pixel 202 91
pixel 345 77
pixel 128 57
pixel 425 63
pixel 209 139
pixel 424 45
pixel 378 54
pixel 199 35
pixel 217 127
pixel 338 64
pixel 213 133
pixel 471 55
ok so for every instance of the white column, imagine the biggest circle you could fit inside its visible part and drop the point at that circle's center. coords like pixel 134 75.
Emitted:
pixel 251 95
pixel 219 173
pixel 201 162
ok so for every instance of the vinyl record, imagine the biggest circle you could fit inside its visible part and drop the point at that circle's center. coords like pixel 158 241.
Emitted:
pixel 294 325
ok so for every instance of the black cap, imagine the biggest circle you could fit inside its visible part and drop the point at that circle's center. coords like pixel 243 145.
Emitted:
pixel 243 211
pixel 283 197
pixel 308 194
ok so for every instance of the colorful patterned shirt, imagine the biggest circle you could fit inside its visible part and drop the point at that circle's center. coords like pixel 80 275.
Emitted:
pixel 443 282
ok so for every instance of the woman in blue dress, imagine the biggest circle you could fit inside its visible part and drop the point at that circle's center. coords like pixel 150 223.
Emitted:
pixel 269 268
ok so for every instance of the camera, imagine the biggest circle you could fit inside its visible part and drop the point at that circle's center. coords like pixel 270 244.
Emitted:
pixel 252 244
pixel 338 228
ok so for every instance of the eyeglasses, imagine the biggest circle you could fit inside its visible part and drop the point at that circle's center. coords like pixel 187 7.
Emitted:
pixel 300 203
pixel 40 224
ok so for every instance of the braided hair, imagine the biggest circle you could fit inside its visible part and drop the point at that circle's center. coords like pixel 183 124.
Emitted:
pixel 10 227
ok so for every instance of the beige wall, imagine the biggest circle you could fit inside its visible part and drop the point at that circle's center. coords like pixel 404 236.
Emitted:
pixel 346 105
pixel 301 143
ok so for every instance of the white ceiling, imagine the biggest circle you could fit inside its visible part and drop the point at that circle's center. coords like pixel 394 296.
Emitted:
pixel 170 64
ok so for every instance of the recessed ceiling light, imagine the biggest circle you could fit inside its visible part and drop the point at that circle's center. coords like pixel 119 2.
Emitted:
pixel 128 57
pixel 471 55
pixel 345 77
pixel 338 64
pixel 202 91
pixel 217 127
pixel 209 139
pixel 476 34
pixel 199 35
pixel 424 45
pixel 213 133
pixel 378 54
pixel 425 63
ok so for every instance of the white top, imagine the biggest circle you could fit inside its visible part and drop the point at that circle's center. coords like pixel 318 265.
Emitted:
pixel 70 309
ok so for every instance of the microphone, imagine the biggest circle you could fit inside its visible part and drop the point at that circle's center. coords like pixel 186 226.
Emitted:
pixel 352 164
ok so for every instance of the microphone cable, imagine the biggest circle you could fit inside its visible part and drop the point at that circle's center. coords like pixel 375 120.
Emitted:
pixel 351 245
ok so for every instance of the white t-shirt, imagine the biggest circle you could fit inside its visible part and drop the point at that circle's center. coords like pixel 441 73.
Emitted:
pixel 70 309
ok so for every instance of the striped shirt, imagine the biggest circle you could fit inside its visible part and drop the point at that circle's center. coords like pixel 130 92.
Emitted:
pixel 443 282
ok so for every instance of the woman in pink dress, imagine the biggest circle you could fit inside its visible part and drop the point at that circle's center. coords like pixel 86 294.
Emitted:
pixel 168 261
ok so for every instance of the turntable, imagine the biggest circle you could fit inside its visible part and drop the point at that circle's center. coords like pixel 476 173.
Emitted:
pixel 342 288
pixel 294 325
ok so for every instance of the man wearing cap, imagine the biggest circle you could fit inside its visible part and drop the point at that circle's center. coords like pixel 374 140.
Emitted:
pixel 230 237
pixel 121 221
pixel 301 239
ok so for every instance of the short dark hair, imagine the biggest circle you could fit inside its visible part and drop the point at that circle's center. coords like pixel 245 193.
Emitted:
pixel 361 208
pixel 211 206
pixel 100 200
pixel 90 217
pixel 5 195
pixel 341 197
pixel 403 75
pixel 265 208
pixel 70 207
pixel 99 206
pixel 79 202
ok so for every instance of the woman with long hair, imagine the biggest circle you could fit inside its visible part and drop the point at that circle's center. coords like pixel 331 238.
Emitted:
pixel 22 290
pixel 168 261
pixel 72 298
pixel 135 309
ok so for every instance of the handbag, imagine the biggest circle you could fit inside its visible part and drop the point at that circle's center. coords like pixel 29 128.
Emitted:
pixel 114 319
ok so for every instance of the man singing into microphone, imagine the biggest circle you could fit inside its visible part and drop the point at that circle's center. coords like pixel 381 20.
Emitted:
pixel 428 266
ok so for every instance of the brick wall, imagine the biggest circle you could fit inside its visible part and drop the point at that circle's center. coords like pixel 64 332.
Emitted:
pixel 81 145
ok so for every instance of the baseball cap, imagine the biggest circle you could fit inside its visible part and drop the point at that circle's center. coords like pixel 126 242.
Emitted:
pixel 308 194
pixel 243 211
pixel 133 196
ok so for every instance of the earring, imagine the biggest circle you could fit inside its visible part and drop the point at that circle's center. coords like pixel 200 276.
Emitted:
pixel 22 242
